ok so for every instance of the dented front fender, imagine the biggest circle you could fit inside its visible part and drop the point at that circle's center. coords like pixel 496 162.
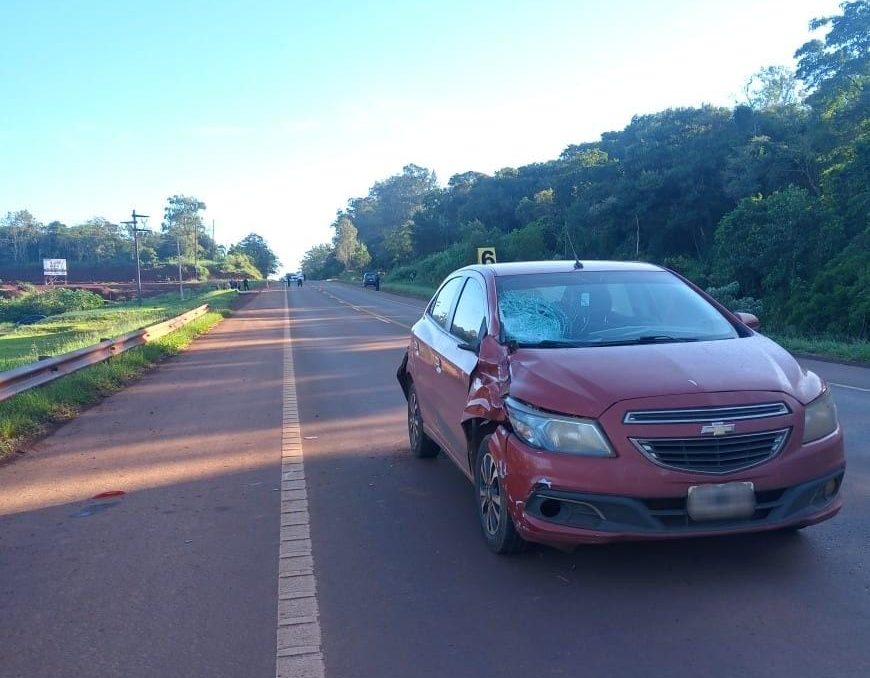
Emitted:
pixel 489 384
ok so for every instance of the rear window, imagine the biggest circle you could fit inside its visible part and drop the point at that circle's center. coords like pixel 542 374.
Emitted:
pixel 606 307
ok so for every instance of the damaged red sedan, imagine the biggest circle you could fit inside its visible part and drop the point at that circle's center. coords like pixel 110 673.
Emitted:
pixel 602 401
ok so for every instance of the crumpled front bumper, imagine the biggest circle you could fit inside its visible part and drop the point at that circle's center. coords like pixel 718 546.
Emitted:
pixel 563 499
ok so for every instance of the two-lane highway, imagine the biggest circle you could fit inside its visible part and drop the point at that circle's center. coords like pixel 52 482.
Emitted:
pixel 206 556
pixel 407 587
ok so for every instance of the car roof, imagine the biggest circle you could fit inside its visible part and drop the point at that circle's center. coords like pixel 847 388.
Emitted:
pixel 528 267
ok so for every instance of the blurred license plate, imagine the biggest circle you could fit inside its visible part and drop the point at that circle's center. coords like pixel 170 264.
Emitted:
pixel 721 502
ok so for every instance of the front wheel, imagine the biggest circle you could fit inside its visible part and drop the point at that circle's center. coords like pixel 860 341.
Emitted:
pixel 495 520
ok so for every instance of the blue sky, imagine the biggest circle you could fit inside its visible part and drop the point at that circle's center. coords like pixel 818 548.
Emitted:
pixel 274 113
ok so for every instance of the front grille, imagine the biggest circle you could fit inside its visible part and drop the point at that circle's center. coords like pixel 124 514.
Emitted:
pixel 706 414
pixel 713 455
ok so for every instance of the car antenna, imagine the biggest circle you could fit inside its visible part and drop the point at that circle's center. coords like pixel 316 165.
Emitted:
pixel 577 263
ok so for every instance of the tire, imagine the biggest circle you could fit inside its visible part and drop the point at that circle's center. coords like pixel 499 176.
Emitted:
pixel 495 520
pixel 422 446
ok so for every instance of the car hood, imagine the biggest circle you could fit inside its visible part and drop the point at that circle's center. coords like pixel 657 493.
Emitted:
pixel 586 381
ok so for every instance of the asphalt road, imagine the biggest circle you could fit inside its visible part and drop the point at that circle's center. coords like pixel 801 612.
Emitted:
pixel 407 587
pixel 178 577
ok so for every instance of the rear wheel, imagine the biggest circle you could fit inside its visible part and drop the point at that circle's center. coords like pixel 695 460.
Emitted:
pixel 421 444
pixel 495 520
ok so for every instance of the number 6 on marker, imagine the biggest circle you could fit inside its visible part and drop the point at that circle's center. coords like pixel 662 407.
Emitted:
pixel 486 255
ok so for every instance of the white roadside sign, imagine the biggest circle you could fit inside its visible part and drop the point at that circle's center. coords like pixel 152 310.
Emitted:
pixel 54 267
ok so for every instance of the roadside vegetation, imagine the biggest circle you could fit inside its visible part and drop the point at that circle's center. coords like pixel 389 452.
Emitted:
pixel 844 350
pixel 766 204
pixel 29 414
pixel 75 329
pixel 99 250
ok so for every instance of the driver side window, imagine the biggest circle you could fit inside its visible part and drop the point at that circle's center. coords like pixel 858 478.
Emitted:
pixel 470 313
pixel 443 303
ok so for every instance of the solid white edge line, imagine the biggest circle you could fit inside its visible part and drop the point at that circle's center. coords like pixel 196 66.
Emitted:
pixel 851 388
pixel 298 649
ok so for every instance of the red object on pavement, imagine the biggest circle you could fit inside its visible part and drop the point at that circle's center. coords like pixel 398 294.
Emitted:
pixel 109 493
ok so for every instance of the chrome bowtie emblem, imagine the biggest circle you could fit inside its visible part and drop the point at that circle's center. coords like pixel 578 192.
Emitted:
pixel 717 428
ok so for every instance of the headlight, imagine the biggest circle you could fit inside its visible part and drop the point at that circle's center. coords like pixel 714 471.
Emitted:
pixel 557 433
pixel 820 417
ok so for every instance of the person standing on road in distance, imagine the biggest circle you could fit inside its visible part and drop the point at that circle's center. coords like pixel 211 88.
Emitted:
pixel 377 282
pixel 299 280
pixel 245 284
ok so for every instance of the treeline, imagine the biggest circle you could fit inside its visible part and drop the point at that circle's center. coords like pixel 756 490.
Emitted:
pixel 100 247
pixel 767 201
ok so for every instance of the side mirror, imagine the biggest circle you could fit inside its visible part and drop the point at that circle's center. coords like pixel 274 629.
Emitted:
pixel 467 346
pixel 748 319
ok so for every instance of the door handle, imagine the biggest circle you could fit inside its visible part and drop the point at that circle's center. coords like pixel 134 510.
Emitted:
pixel 438 365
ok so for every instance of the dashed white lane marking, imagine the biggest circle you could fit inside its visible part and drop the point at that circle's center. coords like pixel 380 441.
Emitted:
pixel 416 307
pixel 383 319
pixel 851 388
pixel 299 654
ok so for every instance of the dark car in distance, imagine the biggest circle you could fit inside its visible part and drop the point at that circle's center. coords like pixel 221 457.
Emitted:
pixel 371 279
pixel 604 401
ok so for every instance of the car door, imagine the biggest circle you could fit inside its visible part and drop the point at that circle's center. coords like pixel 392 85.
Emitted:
pixel 425 357
pixel 457 363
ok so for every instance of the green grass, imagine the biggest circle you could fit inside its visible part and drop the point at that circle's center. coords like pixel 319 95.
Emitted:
pixel 27 415
pixel 409 289
pixel 69 331
pixel 832 349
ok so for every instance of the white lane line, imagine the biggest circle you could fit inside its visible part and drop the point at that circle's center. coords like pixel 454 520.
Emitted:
pixel 851 388
pixel 298 652
pixel 416 307
pixel 383 319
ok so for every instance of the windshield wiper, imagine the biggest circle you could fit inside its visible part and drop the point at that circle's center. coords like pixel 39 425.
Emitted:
pixel 565 343
pixel 551 343
pixel 646 339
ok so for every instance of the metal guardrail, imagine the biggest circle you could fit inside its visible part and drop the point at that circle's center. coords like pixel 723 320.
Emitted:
pixel 13 382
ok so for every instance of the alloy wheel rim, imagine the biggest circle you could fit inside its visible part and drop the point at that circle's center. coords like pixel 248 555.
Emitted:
pixel 489 495
pixel 414 420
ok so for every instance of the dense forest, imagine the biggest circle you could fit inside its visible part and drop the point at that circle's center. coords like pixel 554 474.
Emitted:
pixel 765 203
pixel 101 250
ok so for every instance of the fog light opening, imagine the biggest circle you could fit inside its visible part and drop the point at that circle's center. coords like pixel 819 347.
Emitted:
pixel 830 488
pixel 550 508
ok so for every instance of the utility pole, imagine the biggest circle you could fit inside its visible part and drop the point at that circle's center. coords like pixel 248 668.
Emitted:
pixel 180 283
pixel 213 243
pixel 637 237
pixel 134 226
pixel 195 248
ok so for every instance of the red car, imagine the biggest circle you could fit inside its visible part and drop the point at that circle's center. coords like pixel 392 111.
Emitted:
pixel 604 401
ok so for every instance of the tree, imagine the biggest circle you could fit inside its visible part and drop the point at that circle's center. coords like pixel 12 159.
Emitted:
pixel 844 55
pixel 318 261
pixel 182 222
pixel 771 246
pixel 399 244
pixel 22 232
pixel 389 205
pixel 239 264
pixel 773 88
pixel 258 250
pixel 349 251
